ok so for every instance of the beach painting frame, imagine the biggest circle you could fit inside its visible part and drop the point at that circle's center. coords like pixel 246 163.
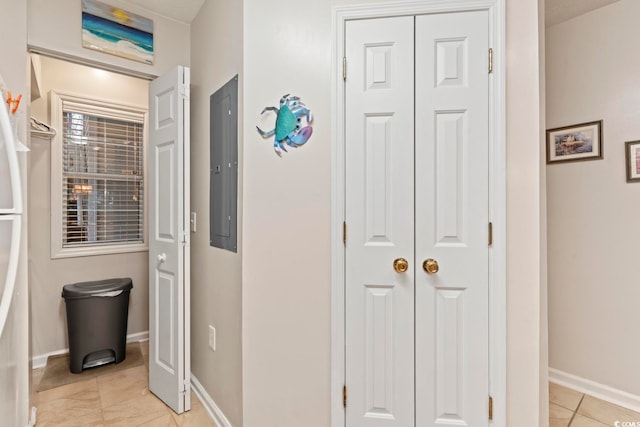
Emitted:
pixel 111 30
pixel 575 143
pixel 632 149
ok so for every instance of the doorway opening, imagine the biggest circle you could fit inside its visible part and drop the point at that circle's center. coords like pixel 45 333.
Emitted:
pixel 91 179
pixel 47 275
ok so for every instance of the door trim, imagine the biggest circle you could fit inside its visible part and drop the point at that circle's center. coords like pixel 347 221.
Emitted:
pixel 497 191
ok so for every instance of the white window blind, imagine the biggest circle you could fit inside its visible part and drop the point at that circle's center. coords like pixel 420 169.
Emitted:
pixel 98 172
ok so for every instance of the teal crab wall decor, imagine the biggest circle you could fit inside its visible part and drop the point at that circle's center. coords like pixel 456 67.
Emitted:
pixel 289 130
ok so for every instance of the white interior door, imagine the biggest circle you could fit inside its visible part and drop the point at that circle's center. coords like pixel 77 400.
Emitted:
pixel 379 216
pixel 417 189
pixel 169 355
pixel 452 196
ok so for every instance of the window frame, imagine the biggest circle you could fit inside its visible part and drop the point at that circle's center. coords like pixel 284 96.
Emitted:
pixel 61 101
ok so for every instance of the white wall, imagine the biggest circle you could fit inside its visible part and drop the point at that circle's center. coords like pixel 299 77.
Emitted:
pixel 47 276
pixel 524 235
pixel 216 274
pixel 56 25
pixel 592 74
pixel 286 265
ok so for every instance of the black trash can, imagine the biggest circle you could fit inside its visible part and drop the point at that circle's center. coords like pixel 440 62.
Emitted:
pixel 97 322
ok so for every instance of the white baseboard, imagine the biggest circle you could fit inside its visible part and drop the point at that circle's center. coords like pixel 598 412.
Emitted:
pixel 40 361
pixel 32 418
pixel 592 388
pixel 214 411
pixel 138 336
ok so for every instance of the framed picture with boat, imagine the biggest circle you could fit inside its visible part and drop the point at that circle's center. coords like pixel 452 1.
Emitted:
pixel 632 149
pixel 575 143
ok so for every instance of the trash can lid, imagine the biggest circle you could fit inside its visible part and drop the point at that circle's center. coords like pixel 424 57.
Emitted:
pixel 107 287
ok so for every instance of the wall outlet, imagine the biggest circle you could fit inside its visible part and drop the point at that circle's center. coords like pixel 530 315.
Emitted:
pixel 212 338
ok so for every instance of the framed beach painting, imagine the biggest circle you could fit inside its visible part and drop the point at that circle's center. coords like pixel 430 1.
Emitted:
pixel 117 32
pixel 575 143
pixel 632 149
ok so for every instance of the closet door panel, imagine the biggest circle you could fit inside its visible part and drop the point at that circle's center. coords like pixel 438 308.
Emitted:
pixel 379 217
pixel 452 219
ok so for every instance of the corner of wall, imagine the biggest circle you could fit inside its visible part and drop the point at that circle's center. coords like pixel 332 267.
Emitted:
pixel 216 42
pixel 524 223
pixel 544 323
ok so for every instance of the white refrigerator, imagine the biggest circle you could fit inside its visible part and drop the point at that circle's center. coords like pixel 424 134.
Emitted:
pixel 14 316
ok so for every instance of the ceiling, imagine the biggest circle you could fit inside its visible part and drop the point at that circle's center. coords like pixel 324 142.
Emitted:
pixel 556 11
pixel 181 10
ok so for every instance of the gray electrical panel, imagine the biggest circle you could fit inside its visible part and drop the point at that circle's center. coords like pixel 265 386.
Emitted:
pixel 223 183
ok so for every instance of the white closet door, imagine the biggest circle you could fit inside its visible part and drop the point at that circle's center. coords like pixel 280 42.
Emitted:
pixel 452 219
pixel 379 214
pixel 169 283
pixel 417 341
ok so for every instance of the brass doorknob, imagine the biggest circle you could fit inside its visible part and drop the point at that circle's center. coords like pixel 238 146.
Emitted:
pixel 430 266
pixel 400 265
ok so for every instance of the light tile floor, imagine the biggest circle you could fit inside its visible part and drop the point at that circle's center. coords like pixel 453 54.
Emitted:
pixel 570 408
pixel 123 399
pixel 119 399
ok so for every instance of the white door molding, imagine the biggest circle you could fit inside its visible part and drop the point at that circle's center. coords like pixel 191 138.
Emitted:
pixel 497 191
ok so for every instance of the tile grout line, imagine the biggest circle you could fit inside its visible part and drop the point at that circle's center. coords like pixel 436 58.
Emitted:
pixel 576 411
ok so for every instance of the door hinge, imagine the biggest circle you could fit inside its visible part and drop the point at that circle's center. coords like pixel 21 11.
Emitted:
pixel 344 233
pixel 344 396
pixel 344 68
pixel 490 408
pixel 184 91
pixel 490 60
pixel 490 237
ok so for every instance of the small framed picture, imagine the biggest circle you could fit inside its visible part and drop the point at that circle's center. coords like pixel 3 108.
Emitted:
pixel 633 161
pixel 575 143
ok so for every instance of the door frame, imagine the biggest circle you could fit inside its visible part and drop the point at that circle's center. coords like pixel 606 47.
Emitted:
pixel 497 190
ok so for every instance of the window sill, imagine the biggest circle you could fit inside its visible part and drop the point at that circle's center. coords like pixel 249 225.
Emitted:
pixel 97 250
